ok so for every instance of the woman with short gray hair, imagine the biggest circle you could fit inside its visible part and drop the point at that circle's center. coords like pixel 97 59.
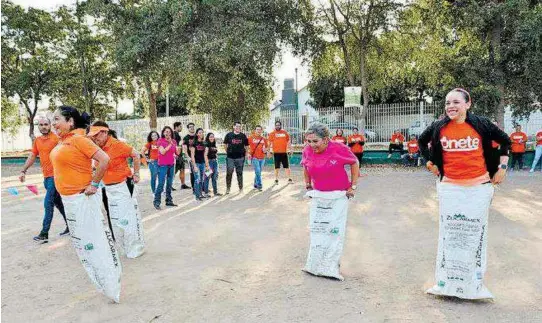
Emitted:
pixel 329 187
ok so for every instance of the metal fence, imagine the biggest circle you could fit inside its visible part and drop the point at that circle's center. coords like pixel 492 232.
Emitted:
pixel 379 123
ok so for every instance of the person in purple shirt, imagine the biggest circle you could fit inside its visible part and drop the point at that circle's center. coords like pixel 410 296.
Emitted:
pixel 167 149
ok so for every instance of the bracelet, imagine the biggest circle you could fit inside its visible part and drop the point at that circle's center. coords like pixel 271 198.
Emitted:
pixel 93 183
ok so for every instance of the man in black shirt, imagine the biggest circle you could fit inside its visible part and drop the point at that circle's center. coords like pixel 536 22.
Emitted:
pixel 236 149
pixel 188 141
pixel 179 160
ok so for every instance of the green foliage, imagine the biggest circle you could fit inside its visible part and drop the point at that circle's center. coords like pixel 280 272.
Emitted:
pixel 10 116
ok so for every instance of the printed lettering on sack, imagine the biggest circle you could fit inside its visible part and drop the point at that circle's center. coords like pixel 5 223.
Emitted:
pixel 89 246
pixel 112 247
pixel 459 145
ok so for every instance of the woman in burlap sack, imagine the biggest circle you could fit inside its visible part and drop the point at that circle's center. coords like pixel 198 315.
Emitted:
pixel 462 157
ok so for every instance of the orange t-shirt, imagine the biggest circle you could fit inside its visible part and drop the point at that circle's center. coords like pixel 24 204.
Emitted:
pixel 357 148
pixel 462 152
pixel 539 138
pixel 518 142
pixel 152 147
pixel 339 139
pixel 280 140
pixel 118 169
pixel 257 145
pixel 413 147
pixel 399 137
pixel 42 147
pixel 72 163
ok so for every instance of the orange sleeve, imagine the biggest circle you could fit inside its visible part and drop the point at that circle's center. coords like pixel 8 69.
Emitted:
pixel 35 148
pixel 271 137
pixel 125 150
pixel 85 145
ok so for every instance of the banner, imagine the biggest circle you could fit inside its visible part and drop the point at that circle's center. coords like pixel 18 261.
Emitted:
pixel 352 96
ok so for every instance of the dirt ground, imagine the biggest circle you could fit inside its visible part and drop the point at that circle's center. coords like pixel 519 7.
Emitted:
pixel 239 258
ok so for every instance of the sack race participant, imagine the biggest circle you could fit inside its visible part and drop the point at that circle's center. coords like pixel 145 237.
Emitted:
pixel 119 186
pixel 90 235
pixel 326 179
pixel 461 154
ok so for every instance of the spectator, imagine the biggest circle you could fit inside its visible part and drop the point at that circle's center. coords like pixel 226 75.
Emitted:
pixel 396 143
pixel 519 140
pixel 411 157
pixel 339 137
pixel 538 151
pixel 356 142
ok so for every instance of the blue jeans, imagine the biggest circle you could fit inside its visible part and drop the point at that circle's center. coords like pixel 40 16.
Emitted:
pixel 258 165
pixel 199 175
pixel 537 155
pixel 52 199
pixel 153 167
pixel 213 165
pixel 165 172
pixel 411 160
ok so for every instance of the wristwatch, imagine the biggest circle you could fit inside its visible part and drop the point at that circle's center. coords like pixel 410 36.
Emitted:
pixel 503 166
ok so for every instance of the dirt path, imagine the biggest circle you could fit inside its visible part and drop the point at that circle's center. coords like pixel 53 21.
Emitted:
pixel 239 259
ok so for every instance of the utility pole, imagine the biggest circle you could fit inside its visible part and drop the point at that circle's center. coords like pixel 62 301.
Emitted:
pixel 167 101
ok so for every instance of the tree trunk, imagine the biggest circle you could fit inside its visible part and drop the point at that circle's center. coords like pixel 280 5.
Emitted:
pixel 496 57
pixel 152 105
pixel 364 90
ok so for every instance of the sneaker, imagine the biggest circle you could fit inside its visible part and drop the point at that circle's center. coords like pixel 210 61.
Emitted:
pixel 157 206
pixel 65 232
pixel 290 181
pixel 276 182
pixel 198 198
pixel 389 156
pixel 173 189
pixel 260 189
pixel 531 171
pixel 185 187
pixel 42 237
pixel 227 191
pixel 217 194
pixel 170 204
pixel 206 195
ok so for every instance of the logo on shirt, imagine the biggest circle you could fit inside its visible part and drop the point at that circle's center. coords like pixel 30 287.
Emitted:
pixel 236 141
pixel 464 144
pixel 280 135
pixel 333 162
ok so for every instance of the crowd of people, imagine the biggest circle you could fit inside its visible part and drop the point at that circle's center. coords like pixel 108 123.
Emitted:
pixel 86 167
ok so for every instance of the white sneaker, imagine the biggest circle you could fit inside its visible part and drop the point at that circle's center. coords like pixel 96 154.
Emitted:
pixel 531 171
pixel 389 155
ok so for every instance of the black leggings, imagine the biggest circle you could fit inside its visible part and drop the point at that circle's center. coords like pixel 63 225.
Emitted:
pixel 130 184
pixel 359 156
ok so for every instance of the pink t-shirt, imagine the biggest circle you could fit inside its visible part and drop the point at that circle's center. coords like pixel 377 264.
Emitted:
pixel 327 169
pixel 168 159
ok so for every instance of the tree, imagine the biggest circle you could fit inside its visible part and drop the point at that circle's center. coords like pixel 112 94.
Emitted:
pixel 90 81
pixel 29 56
pixel 10 116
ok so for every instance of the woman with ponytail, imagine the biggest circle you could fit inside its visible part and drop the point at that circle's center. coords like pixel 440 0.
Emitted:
pixel 72 164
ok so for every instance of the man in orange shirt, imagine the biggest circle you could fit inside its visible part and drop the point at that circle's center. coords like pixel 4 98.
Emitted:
pixel 281 147
pixel 258 147
pixel 396 143
pixel 356 142
pixel 411 158
pixel 519 139
pixel 42 147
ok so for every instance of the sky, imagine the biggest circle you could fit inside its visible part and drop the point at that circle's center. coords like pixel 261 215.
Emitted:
pixel 282 70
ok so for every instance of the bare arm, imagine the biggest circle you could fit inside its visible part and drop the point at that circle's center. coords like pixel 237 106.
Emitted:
pixel 137 164
pixel 29 162
pixel 308 181
pixel 354 174
pixel 193 157
pixel 206 157
pixel 103 162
